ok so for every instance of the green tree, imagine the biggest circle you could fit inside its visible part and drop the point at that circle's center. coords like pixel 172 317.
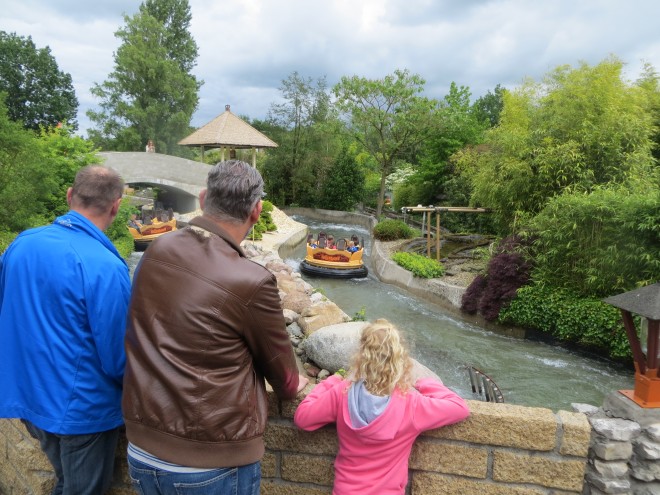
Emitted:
pixel 343 187
pixel 487 108
pixel 35 172
pixel 456 127
pixel 151 93
pixel 580 129
pixel 38 92
pixel 295 170
pixel 649 85
pixel 387 117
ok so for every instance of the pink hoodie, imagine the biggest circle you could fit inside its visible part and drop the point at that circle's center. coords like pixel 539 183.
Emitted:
pixel 374 459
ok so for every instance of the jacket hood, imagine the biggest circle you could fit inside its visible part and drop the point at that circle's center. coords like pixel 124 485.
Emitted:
pixel 373 418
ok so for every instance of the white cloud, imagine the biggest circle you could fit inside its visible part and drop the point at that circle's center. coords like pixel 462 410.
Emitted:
pixel 247 47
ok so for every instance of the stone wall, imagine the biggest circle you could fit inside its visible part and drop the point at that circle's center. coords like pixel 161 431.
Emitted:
pixel 624 457
pixel 500 449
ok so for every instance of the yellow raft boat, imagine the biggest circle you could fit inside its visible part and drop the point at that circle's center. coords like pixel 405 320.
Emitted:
pixel 336 262
pixel 147 233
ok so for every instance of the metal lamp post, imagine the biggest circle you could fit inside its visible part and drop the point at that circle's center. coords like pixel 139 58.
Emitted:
pixel 644 302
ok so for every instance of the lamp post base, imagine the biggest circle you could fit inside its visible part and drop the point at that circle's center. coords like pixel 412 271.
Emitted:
pixel 647 391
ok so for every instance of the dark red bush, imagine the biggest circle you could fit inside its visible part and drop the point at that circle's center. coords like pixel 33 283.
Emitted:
pixel 472 295
pixel 507 271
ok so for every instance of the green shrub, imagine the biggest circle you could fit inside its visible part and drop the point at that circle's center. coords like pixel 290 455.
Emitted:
pixel 598 244
pixel 507 271
pixel 419 265
pixel 360 315
pixel 6 239
pixel 391 230
pixel 568 317
pixel 265 223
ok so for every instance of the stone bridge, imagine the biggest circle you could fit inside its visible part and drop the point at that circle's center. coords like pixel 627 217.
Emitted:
pixel 180 180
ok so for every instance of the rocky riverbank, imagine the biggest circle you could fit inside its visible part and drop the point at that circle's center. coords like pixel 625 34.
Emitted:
pixel 322 333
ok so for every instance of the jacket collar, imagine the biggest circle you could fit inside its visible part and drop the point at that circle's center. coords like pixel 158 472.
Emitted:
pixel 75 221
pixel 214 228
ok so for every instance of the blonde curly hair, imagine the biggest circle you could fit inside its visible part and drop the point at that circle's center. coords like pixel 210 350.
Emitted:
pixel 382 360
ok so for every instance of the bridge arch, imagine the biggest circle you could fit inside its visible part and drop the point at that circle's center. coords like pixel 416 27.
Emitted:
pixel 181 180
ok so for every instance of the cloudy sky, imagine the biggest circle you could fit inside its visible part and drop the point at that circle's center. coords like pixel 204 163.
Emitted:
pixel 247 47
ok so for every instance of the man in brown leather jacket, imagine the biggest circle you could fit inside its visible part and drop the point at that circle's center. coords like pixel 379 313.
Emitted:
pixel 205 327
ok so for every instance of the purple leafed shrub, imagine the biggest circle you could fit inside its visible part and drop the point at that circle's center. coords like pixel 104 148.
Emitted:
pixel 472 295
pixel 507 271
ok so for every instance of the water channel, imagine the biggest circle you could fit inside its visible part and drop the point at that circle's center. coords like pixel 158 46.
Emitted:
pixel 528 372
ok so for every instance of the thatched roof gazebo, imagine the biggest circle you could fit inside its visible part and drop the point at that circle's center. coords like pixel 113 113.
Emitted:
pixel 227 131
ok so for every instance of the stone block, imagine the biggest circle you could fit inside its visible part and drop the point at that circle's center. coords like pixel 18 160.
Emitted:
pixel 551 472
pixel 273 402
pixel 271 487
pixel 289 406
pixel 449 459
pixel 14 432
pixel 269 465
pixel 617 405
pixel 613 451
pixel 596 491
pixel 505 425
pixel 587 409
pixel 646 488
pixel 576 434
pixel 646 470
pixel 611 469
pixel 26 453
pixel 120 474
pixel 423 483
pixel 607 485
pixel 308 469
pixel 647 449
pixel 653 431
pixel 292 439
pixel 40 482
pixel 11 479
pixel 618 429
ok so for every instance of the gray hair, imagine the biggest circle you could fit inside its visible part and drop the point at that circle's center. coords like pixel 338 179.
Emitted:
pixel 233 188
pixel 96 187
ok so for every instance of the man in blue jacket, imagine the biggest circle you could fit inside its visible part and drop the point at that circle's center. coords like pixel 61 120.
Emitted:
pixel 64 292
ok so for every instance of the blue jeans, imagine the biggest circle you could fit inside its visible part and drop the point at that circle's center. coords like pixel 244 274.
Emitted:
pixel 243 480
pixel 83 464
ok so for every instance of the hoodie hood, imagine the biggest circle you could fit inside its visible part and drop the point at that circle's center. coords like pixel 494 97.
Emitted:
pixel 372 417
pixel 364 407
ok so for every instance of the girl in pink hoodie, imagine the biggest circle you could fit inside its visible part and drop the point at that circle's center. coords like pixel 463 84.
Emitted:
pixel 379 412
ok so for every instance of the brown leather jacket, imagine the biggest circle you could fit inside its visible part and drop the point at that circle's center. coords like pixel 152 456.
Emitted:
pixel 205 327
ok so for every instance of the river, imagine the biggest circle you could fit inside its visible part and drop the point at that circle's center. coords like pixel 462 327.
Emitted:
pixel 529 373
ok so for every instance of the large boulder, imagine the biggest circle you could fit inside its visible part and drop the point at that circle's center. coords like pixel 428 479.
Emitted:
pixel 332 348
pixel 320 314
pixel 296 301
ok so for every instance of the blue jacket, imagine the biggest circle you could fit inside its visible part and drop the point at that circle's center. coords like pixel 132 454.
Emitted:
pixel 64 292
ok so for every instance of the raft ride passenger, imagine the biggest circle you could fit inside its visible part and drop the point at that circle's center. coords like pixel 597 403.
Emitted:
pixel 134 222
pixel 331 242
pixel 352 248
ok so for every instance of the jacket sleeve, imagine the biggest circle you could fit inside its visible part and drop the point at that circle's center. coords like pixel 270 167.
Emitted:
pixel 269 342
pixel 437 405
pixel 321 406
